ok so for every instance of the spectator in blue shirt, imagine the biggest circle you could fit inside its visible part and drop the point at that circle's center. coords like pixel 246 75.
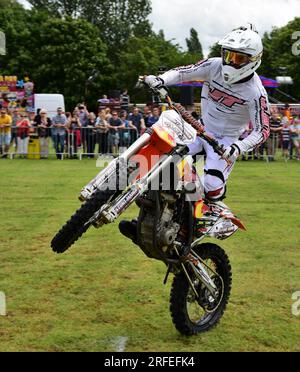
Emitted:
pixel 146 115
pixel 154 117
pixel 137 121
pixel 59 123
pixel 114 125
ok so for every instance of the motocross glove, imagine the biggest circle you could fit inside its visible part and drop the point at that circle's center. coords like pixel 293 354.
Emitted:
pixel 232 152
pixel 154 82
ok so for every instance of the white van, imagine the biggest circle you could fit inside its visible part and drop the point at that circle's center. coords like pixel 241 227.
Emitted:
pixel 50 102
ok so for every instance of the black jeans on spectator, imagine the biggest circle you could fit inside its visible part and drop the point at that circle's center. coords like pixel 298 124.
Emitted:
pixel 102 143
pixel 90 140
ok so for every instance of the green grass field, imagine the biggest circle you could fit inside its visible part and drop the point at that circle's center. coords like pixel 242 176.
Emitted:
pixel 105 288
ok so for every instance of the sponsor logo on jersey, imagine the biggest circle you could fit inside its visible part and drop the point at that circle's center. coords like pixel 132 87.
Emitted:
pixel 224 98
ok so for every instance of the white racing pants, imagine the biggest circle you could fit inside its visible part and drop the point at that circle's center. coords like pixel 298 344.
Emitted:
pixel 216 170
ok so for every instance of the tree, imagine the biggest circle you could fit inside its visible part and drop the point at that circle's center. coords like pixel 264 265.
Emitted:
pixel 146 55
pixel 58 54
pixel 9 3
pixel 193 44
pixel 116 19
pixel 15 25
pixel 57 8
pixel 278 52
pixel 69 51
pixel 214 51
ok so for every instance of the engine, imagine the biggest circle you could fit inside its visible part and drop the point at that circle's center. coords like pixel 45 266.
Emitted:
pixel 157 224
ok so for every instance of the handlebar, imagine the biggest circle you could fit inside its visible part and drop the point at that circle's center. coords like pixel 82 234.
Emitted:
pixel 163 92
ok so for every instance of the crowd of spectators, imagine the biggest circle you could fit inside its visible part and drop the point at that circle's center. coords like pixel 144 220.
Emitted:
pixel 69 132
pixel 284 135
pixel 81 131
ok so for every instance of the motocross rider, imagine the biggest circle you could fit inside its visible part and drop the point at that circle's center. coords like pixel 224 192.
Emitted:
pixel 232 96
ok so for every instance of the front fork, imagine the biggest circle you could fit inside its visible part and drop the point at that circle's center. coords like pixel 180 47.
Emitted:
pixel 111 170
pixel 200 272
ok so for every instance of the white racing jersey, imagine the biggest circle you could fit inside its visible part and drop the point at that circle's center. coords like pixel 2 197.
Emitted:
pixel 227 109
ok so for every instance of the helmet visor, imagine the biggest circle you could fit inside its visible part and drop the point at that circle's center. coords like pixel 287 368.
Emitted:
pixel 235 59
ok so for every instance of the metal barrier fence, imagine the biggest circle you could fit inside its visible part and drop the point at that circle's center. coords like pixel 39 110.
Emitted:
pixel 76 143
pixel 91 142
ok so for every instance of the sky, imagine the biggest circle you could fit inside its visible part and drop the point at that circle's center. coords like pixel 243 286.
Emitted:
pixel 213 19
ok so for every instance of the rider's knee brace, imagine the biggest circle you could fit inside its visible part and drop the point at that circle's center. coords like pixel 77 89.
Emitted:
pixel 214 185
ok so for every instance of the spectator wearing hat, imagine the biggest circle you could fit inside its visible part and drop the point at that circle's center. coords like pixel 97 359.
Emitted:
pixel 59 122
pixel 43 124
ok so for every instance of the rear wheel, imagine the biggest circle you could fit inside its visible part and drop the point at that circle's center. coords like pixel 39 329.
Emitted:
pixel 79 222
pixel 190 314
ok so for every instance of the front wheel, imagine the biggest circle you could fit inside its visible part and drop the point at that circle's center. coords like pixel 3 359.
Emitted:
pixel 79 222
pixel 191 314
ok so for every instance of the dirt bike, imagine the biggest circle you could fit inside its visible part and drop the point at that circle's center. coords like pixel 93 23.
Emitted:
pixel 158 174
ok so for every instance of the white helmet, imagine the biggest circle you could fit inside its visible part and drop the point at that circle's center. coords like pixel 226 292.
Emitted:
pixel 242 50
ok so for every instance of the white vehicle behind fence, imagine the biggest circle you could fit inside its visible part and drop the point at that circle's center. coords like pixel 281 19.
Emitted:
pixel 50 102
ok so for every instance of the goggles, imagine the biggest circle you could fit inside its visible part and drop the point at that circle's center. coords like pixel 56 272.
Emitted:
pixel 237 59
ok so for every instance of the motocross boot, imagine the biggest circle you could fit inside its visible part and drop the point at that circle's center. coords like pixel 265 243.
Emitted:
pixel 207 213
pixel 129 229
